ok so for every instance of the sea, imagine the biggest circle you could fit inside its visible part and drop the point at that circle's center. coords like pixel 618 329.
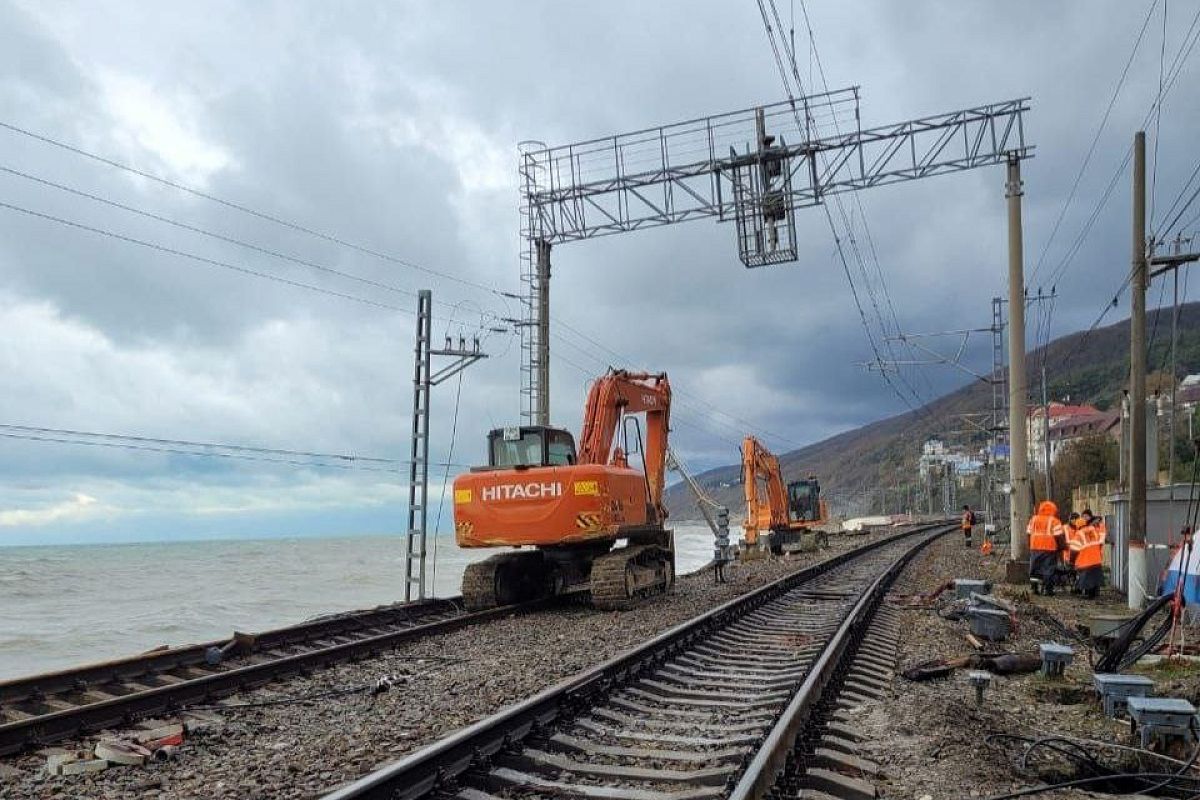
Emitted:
pixel 65 605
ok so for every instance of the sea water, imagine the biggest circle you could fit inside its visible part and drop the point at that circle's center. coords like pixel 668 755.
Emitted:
pixel 61 606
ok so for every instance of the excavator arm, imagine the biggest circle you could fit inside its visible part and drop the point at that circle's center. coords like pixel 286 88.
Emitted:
pixel 618 393
pixel 759 464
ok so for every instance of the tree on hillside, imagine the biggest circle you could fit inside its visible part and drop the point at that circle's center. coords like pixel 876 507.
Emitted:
pixel 1088 460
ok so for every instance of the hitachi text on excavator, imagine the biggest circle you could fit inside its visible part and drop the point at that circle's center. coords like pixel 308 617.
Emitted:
pixel 572 509
pixel 788 513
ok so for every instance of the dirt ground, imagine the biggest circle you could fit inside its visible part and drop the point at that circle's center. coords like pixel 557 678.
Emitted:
pixel 932 740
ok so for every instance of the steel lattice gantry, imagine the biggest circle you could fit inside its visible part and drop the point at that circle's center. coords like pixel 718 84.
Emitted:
pixel 754 167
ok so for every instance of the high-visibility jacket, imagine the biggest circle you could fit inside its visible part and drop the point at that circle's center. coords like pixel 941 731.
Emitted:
pixel 967 520
pixel 1075 542
pixel 1091 553
pixel 1044 529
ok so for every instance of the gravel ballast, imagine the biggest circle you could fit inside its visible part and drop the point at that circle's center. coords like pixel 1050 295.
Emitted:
pixel 305 749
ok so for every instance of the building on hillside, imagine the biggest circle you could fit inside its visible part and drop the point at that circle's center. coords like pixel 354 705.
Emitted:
pixel 1066 424
pixel 1187 396
pixel 936 454
pixel 1081 426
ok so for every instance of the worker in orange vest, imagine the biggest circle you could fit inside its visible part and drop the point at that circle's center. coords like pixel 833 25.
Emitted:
pixel 967 524
pixel 1046 540
pixel 1089 569
pixel 1098 523
pixel 1075 541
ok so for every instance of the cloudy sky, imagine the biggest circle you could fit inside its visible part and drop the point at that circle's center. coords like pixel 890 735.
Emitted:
pixel 393 127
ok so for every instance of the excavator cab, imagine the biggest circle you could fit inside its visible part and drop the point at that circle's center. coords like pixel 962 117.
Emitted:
pixel 530 446
pixel 804 500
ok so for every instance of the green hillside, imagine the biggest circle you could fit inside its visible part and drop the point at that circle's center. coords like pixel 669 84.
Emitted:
pixel 1082 367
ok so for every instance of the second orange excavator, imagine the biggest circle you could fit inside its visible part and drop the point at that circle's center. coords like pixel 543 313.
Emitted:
pixel 787 512
pixel 570 509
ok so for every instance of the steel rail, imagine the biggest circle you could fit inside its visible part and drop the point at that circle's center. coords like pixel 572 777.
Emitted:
pixel 772 755
pixel 17 690
pixel 355 634
pixel 426 770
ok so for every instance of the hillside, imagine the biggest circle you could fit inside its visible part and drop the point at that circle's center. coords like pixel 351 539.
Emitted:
pixel 1086 367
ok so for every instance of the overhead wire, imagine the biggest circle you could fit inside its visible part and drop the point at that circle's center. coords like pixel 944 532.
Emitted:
pixel 231 240
pixel 202 259
pixel 678 403
pixel 1095 140
pixel 787 82
pixel 1170 213
pixel 888 345
pixel 346 457
pixel 116 445
pixel 446 478
pixel 688 397
pixel 245 209
pixel 201 231
pixel 1190 39
pixel 1162 52
pixel 1065 360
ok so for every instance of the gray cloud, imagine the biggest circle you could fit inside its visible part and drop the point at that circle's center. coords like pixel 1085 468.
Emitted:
pixel 397 127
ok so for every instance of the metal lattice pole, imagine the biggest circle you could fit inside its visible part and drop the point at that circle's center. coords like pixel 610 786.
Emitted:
pixel 424 379
pixel 535 274
pixel 418 467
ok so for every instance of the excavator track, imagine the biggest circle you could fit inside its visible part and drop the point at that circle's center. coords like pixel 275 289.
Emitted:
pixel 504 580
pixel 626 575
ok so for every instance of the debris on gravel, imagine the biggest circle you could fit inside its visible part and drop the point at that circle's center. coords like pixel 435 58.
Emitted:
pixel 931 738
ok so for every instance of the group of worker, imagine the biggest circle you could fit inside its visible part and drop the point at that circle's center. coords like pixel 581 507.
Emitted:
pixel 1057 550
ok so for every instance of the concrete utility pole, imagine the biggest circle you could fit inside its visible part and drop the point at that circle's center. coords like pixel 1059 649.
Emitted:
pixel 1017 569
pixel 1136 584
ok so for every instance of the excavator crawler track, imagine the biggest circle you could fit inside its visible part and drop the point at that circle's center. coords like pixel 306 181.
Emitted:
pixel 505 579
pixel 626 575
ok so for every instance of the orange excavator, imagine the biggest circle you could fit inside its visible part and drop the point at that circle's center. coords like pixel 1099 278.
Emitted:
pixel 571 509
pixel 788 512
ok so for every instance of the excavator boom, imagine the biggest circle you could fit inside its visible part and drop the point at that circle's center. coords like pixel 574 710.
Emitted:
pixel 793 507
pixel 612 397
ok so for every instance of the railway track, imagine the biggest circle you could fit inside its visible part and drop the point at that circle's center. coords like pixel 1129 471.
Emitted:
pixel 722 706
pixel 50 707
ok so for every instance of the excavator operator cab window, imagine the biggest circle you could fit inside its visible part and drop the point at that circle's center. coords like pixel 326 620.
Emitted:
pixel 560 449
pixel 803 497
pixel 530 446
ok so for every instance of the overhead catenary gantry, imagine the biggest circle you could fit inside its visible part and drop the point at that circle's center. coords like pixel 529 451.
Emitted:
pixel 754 167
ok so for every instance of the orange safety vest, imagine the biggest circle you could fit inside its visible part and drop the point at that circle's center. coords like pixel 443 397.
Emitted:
pixel 1091 554
pixel 1076 538
pixel 1042 530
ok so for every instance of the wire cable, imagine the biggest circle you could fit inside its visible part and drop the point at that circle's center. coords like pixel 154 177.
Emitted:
pixel 148 445
pixel 833 228
pixel 202 259
pixel 347 457
pixel 243 208
pixel 445 481
pixel 1095 140
pixel 227 239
